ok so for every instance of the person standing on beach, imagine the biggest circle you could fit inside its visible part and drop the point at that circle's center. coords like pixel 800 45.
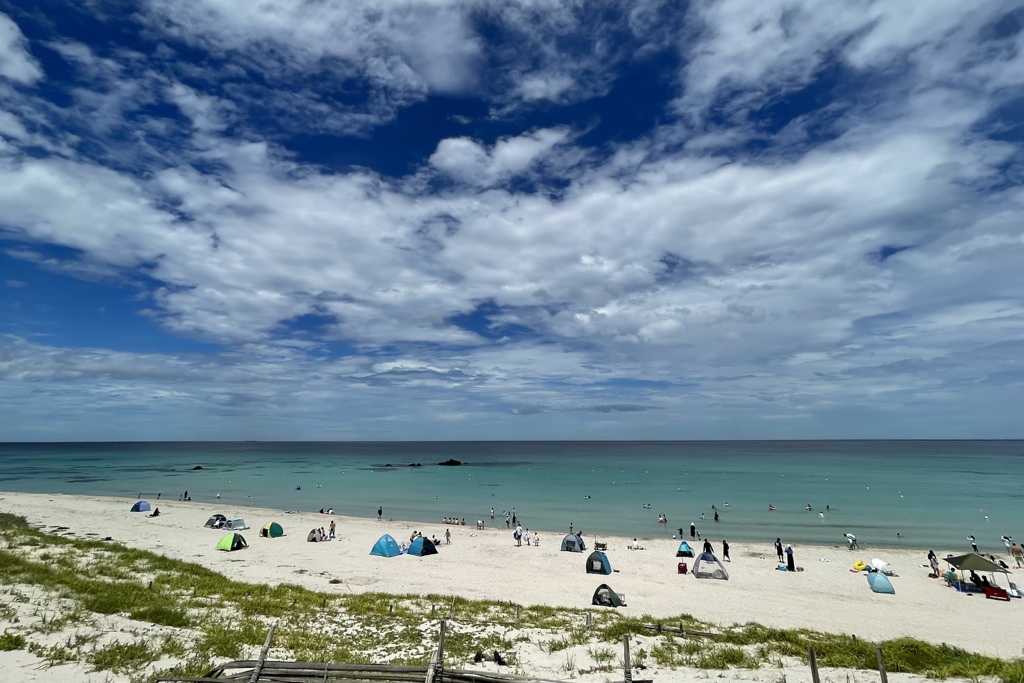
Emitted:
pixel 331 534
pixel 448 536
pixel 519 536
pixel 974 543
pixel 778 548
pixel 725 550
pixel 380 512
pixel 693 531
pixel 790 562
pixel 1018 554
pixel 508 521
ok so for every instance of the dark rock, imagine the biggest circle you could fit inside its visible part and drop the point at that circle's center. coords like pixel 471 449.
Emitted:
pixel 198 467
pixel 450 462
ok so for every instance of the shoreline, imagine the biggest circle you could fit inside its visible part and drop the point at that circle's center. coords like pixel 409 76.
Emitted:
pixel 488 565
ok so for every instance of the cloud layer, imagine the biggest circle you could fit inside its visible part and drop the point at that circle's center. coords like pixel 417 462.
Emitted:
pixel 818 235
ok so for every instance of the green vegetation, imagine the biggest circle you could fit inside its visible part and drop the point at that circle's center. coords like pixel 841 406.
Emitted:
pixel 210 618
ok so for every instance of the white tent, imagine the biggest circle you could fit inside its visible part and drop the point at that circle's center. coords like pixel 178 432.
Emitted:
pixel 707 566
pixel 235 524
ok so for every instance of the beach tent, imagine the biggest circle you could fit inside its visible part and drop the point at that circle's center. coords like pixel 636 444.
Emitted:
pixel 598 563
pixel 880 583
pixel 232 542
pixel 235 524
pixel 707 566
pixel 684 550
pixel 140 506
pixel 422 546
pixel 386 547
pixel 573 544
pixel 606 597
pixel 315 536
pixel 216 522
pixel 272 530
pixel 975 562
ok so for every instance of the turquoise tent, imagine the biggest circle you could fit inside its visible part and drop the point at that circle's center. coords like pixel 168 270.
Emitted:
pixel 385 547
pixel 422 546
pixel 880 583
pixel 685 550
pixel 140 506
pixel 598 563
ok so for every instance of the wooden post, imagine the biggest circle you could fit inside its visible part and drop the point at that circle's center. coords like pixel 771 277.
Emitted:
pixel 263 656
pixel 627 673
pixel 517 615
pixel 439 665
pixel 881 665
pixel 590 622
pixel 814 663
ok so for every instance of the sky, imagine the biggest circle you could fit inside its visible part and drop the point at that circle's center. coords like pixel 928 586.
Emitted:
pixel 454 219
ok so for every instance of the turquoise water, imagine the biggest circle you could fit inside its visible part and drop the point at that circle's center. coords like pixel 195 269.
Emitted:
pixel 933 493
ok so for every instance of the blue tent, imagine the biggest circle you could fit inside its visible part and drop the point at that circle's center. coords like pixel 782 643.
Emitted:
pixel 685 550
pixel 422 546
pixel 385 547
pixel 598 563
pixel 880 583
pixel 140 506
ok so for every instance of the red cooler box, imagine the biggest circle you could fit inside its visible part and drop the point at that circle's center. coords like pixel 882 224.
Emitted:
pixel 681 568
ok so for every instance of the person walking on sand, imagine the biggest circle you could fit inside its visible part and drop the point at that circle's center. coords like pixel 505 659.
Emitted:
pixel 778 548
pixel 725 550
pixel 1018 554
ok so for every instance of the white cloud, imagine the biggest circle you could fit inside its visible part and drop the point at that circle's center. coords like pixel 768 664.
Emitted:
pixel 16 63
pixel 470 162
pixel 751 283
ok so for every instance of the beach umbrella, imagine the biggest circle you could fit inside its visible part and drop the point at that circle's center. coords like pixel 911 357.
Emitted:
pixel 880 565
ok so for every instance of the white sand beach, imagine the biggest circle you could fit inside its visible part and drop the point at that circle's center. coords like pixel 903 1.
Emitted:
pixel 487 564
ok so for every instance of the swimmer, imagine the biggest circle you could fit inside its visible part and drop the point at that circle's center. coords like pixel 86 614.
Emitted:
pixel 218 494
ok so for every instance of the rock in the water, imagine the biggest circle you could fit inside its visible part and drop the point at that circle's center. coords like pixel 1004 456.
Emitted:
pixel 198 467
pixel 450 462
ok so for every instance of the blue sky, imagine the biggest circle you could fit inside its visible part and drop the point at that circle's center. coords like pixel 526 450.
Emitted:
pixel 399 219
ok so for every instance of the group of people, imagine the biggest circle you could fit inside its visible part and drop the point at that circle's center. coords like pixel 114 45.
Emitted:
pixel 788 553
pixel 523 535
pixel 455 521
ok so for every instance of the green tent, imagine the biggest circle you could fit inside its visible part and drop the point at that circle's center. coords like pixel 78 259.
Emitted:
pixel 606 597
pixel 975 562
pixel 272 530
pixel 232 542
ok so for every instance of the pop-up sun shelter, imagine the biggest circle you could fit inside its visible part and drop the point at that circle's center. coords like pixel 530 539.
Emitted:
pixel 216 522
pixel 235 524
pixel 606 597
pixel 422 546
pixel 232 542
pixel 684 550
pixel 573 544
pixel 140 506
pixel 386 547
pixel 598 563
pixel 880 583
pixel 272 530
pixel 707 566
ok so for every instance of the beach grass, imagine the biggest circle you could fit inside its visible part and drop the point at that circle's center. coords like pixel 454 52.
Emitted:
pixel 205 618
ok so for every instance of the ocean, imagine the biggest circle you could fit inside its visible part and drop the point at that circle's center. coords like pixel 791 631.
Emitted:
pixel 932 493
